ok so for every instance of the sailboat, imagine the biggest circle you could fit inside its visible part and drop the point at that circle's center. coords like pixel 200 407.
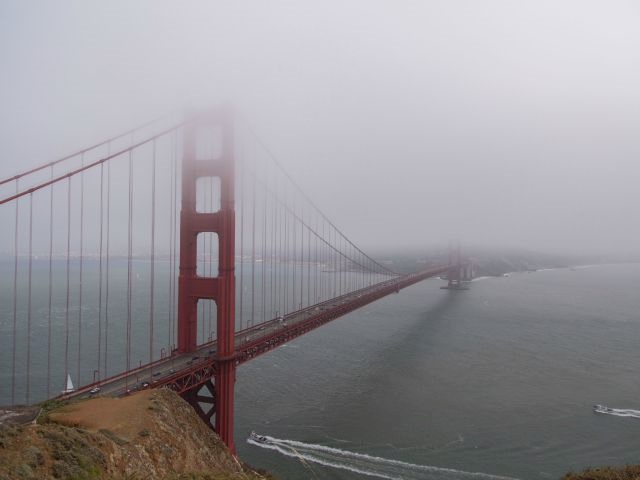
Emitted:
pixel 70 388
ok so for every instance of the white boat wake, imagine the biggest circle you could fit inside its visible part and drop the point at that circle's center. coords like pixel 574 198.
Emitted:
pixel 618 412
pixel 363 464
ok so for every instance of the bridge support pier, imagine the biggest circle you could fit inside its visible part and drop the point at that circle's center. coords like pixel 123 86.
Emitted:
pixel 200 129
pixel 225 384
pixel 458 272
pixel 467 272
pixel 196 399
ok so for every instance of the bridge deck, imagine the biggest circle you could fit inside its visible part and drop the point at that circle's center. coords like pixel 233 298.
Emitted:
pixel 182 372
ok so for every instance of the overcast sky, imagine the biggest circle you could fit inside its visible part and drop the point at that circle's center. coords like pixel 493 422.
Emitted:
pixel 507 123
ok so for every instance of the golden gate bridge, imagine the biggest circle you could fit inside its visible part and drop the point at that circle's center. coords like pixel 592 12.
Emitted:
pixel 168 256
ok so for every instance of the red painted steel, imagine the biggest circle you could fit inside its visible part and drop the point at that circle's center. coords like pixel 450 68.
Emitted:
pixel 221 289
pixel 197 369
pixel 318 315
pixel 196 400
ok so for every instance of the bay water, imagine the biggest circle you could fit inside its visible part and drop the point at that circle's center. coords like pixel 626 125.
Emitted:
pixel 496 381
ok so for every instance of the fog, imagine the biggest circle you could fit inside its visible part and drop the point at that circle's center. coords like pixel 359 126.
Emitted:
pixel 498 123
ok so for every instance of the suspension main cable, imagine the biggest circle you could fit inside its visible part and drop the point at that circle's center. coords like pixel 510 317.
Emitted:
pixel 86 149
pixel 88 166
pixel 304 195
pixel 291 210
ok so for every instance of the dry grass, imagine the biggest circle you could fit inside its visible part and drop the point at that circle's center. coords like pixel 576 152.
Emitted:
pixel 153 434
pixel 630 472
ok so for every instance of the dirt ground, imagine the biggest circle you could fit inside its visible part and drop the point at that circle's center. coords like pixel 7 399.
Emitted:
pixel 153 434
pixel 125 416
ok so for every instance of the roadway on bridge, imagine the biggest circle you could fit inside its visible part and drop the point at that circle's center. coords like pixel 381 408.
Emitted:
pixel 167 370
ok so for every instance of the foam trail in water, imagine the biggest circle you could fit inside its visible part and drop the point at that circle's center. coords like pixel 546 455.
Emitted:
pixel 618 412
pixel 291 452
pixel 365 464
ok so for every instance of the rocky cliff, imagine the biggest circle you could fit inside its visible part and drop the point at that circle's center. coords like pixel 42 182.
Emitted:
pixel 151 435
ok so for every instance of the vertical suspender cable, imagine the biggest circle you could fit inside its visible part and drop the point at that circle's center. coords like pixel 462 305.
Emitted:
pixel 323 267
pixel 50 288
pixel 253 246
pixel 15 304
pixel 343 278
pixel 100 267
pixel 323 261
pixel 347 270
pixel 209 303
pixel 294 252
pixel 263 264
pixel 175 241
pixel 315 263
pixel 66 316
pixel 330 270
pixel 301 221
pixel 153 252
pixel 345 266
pixel 272 250
pixel 345 263
pixel 340 257
pixel 336 266
pixel 301 256
pixel 281 260
pixel 243 161
pixel 347 260
pixel 338 261
pixel 284 274
pixel 81 268
pixel 129 265
pixel 105 372
pixel 29 298
pixel 275 256
pixel 202 254
pixel 171 220
pixel 277 240
pixel 286 254
pixel 309 300
pixel 176 226
pixel 100 253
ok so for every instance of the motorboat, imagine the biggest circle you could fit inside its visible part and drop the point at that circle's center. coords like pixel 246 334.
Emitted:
pixel 602 408
pixel 257 438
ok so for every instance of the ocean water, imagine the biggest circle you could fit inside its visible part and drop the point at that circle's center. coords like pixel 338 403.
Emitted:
pixel 92 329
pixel 496 381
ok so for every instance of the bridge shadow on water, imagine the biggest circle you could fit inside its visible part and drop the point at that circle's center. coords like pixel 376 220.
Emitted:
pixel 398 366
pixel 430 323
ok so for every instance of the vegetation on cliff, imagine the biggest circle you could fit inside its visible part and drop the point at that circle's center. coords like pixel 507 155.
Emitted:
pixel 630 472
pixel 151 435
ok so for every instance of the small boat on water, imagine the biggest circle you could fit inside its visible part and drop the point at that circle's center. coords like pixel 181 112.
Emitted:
pixel 257 438
pixel 70 388
pixel 602 409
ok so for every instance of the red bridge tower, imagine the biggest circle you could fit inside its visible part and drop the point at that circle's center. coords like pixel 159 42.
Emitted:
pixel 201 128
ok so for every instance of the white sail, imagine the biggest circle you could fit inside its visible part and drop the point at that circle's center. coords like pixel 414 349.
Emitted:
pixel 70 387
